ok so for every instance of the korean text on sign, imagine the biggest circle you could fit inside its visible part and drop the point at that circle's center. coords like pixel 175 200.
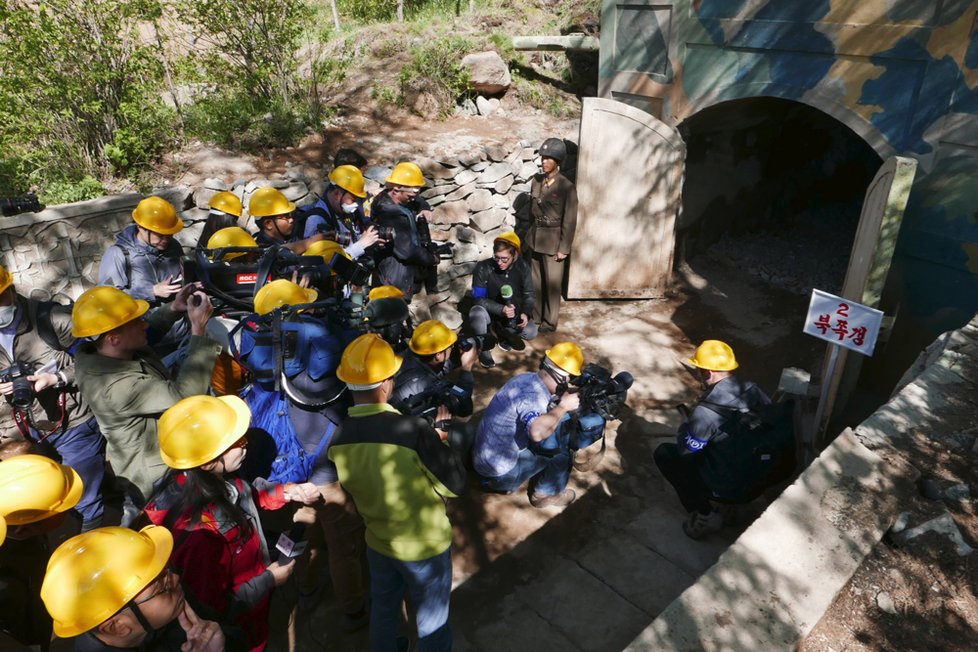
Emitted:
pixel 843 322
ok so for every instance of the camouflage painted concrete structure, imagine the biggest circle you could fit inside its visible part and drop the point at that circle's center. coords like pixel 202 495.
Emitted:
pixel 901 74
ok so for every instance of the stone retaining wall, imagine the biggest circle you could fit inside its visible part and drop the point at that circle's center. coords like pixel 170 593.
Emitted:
pixel 474 195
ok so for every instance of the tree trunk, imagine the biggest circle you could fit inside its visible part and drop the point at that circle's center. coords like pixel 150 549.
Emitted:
pixel 400 11
pixel 336 14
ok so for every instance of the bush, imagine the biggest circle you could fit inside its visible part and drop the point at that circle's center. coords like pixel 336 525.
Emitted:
pixel 434 74
pixel 76 82
pixel 65 191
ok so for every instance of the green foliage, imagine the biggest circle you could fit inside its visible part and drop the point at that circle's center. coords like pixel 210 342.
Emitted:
pixel 75 85
pixel 64 191
pixel 541 96
pixel 434 71
pixel 247 49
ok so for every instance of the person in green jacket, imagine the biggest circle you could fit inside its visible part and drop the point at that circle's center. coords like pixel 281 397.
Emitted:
pixel 126 384
pixel 399 472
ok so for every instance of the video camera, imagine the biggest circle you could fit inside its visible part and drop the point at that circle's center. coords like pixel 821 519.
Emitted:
pixel 441 250
pixel 17 373
pixel 26 204
pixel 600 393
pixel 481 342
pixel 425 404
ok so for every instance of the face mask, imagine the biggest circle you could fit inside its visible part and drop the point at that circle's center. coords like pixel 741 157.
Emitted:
pixel 349 209
pixel 7 314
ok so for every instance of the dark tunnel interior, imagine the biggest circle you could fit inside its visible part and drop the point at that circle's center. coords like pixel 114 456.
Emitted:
pixel 775 186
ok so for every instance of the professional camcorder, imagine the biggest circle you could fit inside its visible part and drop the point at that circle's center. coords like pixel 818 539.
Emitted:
pixel 481 342
pixel 17 373
pixel 26 204
pixel 600 393
pixel 425 404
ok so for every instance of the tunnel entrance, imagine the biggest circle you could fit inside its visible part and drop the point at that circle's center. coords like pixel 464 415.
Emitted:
pixel 775 187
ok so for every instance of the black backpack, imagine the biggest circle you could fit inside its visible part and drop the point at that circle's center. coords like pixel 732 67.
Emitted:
pixel 45 329
pixel 753 450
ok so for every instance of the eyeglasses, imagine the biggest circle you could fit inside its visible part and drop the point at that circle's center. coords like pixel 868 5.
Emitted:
pixel 503 259
pixel 167 578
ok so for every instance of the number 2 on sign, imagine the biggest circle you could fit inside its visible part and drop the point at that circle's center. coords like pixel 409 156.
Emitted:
pixel 843 310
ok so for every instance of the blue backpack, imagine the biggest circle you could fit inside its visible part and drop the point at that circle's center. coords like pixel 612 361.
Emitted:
pixel 270 412
pixel 272 348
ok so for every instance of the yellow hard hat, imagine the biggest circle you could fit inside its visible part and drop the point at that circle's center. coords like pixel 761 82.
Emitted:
pixel 432 336
pixel 232 236
pixel 568 357
pixel 268 201
pixel 714 355
pixel 327 249
pixel 93 575
pixel 6 278
pixel 199 429
pixel 385 292
pixel 509 238
pixel 350 179
pixel 367 361
pixel 157 215
pixel 33 488
pixel 226 202
pixel 282 293
pixel 407 174
pixel 102 309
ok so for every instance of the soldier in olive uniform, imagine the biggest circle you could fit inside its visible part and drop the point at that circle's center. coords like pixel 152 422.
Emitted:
pixel 553 209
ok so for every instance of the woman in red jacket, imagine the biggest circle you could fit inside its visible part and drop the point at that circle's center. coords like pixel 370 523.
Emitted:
pixel 219 548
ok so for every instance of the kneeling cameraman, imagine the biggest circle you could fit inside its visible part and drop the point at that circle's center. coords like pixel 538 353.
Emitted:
pixel 525 432
pixel 422 387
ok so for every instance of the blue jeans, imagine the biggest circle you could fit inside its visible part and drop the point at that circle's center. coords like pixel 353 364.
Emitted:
pixel 549 473
pixel 83 449
pixel 428 584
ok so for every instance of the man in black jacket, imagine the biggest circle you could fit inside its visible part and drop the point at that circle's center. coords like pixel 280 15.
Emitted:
pixel 694 465
pixel 426 368
pixel 403 262
pixel 502 287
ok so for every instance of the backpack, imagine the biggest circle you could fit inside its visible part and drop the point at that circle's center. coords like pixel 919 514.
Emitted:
pixel 45 328
pixel 753 450
pixel 270 412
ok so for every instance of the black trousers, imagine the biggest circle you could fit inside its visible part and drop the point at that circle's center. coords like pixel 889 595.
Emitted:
pixel 682 472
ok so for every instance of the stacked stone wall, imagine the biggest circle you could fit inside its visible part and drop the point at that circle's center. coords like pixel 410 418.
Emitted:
pixel 475 197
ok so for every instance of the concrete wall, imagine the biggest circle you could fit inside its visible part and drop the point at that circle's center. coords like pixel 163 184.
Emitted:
pixel 902 74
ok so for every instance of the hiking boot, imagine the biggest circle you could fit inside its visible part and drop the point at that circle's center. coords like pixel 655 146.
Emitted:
pixel 565 497
pixel 728 512
pixel 485 359
pixel 699 525
pixel 546 328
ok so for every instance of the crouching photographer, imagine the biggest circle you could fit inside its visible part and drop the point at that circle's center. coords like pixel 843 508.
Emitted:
pixel 422 387
pixel 42 403
pixel 537 422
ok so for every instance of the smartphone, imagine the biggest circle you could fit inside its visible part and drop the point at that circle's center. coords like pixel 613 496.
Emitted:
pixel 293 544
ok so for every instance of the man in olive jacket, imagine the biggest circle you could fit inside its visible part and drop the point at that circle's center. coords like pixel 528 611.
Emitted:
pixel 553 210
pixel 126 383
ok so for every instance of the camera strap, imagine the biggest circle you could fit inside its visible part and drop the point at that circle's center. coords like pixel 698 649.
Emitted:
pixel 27 426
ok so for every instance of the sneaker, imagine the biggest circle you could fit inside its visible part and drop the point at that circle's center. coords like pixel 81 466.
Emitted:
pixel 485 359
pixel 728 512
pixel 546 328
pixel 565 497
pixel 504 345
pixel 699 525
